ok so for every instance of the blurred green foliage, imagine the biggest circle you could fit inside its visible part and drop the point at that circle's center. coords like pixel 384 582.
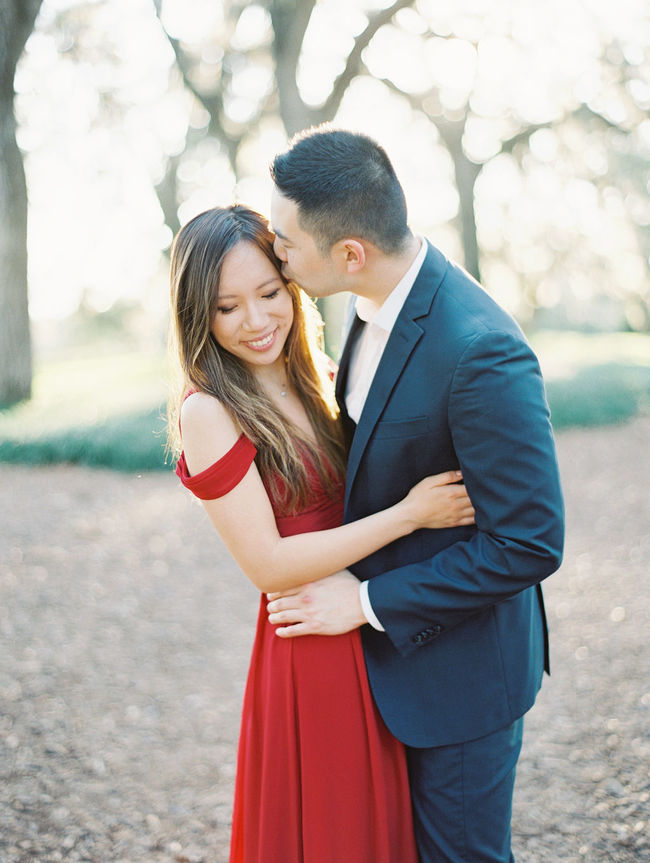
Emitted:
pixel 133 442
pixel 599 395
pixel 108 411
pixel 91 407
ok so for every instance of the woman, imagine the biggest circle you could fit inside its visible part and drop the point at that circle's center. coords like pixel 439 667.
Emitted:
pixel 319 777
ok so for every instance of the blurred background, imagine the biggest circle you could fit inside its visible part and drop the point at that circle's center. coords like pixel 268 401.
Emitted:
pixel 520 131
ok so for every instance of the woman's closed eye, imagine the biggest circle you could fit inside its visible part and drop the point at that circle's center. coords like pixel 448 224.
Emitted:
pixel 270 295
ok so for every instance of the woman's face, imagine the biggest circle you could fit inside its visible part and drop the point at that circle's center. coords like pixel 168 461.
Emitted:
pixel 254 308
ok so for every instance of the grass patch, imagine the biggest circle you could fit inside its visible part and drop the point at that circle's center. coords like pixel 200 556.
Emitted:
pixel 599 395
pixel 564 354
pixel 594 378
pixel 107 411
pixel 104 410
pixel 133 442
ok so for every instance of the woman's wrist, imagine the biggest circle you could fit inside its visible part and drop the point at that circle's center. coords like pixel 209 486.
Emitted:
pixel 404 515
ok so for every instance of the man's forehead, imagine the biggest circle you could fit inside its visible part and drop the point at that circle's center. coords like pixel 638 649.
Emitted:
pixel 284 214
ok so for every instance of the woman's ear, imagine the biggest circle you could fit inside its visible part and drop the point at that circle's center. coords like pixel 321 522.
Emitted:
pixel 352 254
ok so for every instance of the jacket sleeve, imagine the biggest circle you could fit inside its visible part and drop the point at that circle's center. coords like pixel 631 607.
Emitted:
pixel 500 425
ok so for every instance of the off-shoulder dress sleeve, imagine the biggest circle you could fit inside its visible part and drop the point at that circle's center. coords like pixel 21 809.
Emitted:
pixel 222 476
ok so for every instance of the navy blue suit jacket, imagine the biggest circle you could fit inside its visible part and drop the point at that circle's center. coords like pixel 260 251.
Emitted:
pixel 457 387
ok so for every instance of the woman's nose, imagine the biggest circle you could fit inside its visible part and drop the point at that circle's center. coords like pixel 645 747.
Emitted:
pixel 255 319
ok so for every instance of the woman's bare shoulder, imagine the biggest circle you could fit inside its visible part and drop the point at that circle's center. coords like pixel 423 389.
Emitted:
pixel 201 407
pixel 208 430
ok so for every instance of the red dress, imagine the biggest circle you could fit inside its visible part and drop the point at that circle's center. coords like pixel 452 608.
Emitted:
pixel 319 777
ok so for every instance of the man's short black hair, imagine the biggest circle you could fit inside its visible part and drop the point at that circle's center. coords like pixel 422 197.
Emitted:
pixel 344 186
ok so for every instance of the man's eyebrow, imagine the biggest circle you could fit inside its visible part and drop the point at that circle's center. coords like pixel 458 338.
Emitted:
pixel 279 234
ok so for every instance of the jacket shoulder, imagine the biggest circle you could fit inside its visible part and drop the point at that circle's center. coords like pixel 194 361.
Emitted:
pixel 461 308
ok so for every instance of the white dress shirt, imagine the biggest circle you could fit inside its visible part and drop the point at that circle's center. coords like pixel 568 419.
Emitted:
pixel 364 360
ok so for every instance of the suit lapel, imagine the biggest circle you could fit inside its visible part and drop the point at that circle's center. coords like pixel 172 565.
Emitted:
pixel 402 341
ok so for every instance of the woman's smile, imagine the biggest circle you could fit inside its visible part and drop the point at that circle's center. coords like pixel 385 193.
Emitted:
pixel 263 343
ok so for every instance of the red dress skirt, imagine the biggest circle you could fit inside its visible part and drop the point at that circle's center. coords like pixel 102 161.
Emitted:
pixel 319 777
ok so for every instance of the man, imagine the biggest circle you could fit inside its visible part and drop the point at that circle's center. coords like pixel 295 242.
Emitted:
pixel 433 376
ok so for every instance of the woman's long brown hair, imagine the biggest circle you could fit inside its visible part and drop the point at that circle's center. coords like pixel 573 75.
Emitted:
pixel 197 255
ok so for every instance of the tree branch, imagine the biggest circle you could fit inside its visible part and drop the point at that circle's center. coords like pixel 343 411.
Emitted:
pixel 523 136
pixel 584 112
pixel 353 63
pixel 447 129
pixel 452 131
pixel 213 103
pixel 581 113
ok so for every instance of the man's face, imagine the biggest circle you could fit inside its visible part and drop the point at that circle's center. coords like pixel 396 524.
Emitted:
pixel 302 262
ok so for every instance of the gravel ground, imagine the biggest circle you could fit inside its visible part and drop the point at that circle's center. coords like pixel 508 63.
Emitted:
pixel 124 639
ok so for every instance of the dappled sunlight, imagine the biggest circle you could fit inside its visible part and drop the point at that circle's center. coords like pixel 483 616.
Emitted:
pixel 69 393
pixel 95 227
pixel 521 136
pixel 102 111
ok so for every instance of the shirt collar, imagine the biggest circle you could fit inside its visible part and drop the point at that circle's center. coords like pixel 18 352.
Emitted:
pixel 384 316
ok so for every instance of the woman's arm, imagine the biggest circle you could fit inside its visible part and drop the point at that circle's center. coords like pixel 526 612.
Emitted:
pixel 245 521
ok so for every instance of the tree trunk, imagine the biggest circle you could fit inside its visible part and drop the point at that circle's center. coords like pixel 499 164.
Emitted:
pixel 17 19
pixel 290 19
pixel 466 173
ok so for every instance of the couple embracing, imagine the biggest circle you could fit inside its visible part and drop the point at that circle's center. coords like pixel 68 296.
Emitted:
pixel 397 515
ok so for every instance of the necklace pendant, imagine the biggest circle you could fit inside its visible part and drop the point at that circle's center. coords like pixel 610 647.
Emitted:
pixel 283 393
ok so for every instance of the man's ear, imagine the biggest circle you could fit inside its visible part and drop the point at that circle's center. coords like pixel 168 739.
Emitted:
pixel 351 253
